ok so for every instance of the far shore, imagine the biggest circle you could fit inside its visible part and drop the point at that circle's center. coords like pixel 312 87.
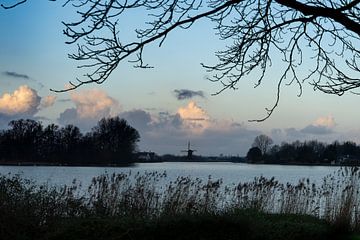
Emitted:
pixel 132 164
pixel 31 164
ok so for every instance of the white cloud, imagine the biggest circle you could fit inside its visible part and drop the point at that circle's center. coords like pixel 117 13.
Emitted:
pixel 90 107
pixel 194 117
pixel 328 122
pixel 23 101
pixel 94 103
pixel 48 101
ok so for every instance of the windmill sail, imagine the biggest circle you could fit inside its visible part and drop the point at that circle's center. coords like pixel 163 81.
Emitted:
pixel 189 151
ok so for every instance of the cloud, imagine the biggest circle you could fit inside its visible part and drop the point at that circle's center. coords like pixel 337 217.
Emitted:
pixel 309 132
pixel 69 116
pixel 48 101
pixel 233 140
pixel 94 103
pixel 182 94
pixel 321 126
pixel 23 101
pixel 90 107
pixel 172 136
pixel 316 130
pixel 23 78
pixel 294 133
pixel 64 100
pixel 194 117
pixel 166 120
pixel 169 132
pixel 139 119
pixel 322 129
pixel 328 122
pixel 16 75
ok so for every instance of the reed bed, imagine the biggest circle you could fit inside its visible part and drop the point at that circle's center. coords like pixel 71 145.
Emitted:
pixel 149 196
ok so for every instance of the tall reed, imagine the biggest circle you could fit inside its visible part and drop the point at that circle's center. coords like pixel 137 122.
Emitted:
pixel 150 195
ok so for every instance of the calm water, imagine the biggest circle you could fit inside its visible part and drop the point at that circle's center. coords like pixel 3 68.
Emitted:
pixel 231 173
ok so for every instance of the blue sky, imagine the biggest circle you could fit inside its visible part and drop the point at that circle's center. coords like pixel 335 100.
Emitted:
pixel 33 59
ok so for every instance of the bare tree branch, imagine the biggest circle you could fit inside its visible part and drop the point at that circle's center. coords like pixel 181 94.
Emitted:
pixel 13 5
pixel 317 40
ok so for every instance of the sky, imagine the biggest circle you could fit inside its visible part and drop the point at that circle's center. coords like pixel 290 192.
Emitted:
pixel 170 104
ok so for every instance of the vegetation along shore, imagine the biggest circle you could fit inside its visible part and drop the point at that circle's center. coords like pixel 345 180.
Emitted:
pixel 113 142
pixel 140 206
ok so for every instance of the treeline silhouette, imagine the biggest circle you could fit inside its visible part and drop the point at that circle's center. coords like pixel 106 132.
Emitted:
pixel 308 152
pixel 111 141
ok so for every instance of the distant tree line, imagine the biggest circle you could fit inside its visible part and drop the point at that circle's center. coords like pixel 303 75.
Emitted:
pixel 111 141
pixel 308 152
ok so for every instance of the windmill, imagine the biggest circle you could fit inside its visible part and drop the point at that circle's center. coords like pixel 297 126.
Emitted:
pixel 189 152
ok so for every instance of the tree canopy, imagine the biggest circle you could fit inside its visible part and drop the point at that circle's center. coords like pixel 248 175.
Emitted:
pixel 112 141
pixel 308 152
pixel 324 34
pixel 254 155
pixel 262 142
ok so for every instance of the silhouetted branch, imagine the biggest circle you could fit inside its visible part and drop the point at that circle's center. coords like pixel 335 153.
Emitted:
pixel 316 40
pixel 24 1
pixel 13 5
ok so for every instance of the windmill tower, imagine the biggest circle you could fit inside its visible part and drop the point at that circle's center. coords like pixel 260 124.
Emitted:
pixel 189 151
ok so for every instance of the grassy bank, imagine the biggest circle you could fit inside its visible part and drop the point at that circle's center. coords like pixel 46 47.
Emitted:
pixel 142 206
pixel 242 224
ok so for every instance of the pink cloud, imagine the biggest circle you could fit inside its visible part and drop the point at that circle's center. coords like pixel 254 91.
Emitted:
pixel 24 100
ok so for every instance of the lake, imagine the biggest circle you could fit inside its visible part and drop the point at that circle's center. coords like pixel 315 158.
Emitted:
pixel 230 173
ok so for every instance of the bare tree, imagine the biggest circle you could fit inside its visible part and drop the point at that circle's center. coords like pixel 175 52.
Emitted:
pixel 262 142
pixel 322 33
